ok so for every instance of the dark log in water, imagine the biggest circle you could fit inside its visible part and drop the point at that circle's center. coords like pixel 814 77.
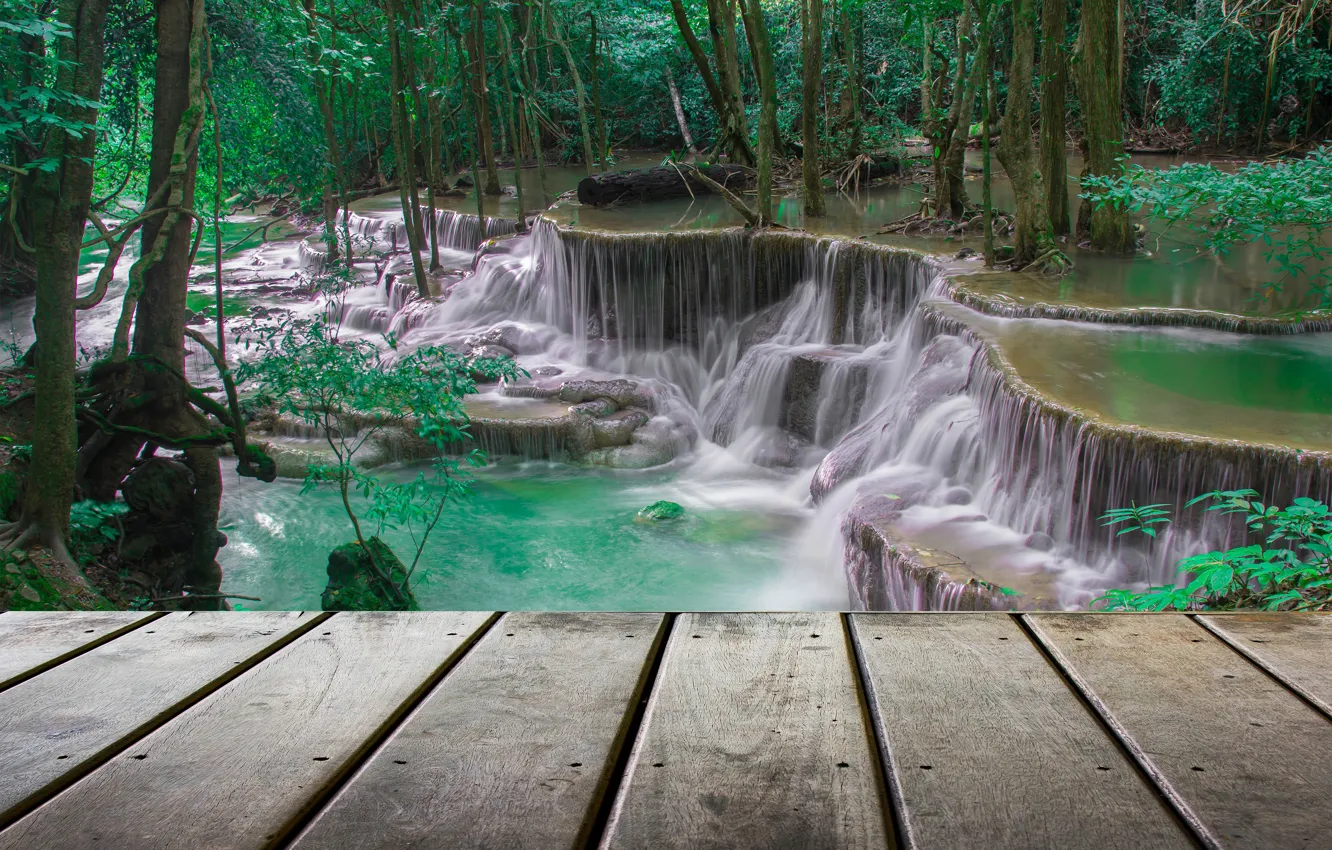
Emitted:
pixel 660 183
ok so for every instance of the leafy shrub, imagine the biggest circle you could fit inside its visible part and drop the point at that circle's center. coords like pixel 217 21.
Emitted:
pixel 1289 570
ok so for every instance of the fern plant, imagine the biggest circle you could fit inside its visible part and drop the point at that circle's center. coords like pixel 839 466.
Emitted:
pixel 1288 569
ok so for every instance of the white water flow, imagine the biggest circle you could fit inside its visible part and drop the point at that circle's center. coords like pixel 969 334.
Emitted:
pixel 863 408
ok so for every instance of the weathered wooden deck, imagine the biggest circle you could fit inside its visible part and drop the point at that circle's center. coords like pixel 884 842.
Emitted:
pixel 554 730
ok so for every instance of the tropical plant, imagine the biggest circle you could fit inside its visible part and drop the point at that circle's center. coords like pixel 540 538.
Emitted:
pixel 353 393
pixel 1284 205
pixel 1288 569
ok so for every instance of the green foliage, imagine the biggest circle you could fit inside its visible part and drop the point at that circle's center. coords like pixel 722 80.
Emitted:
pixel 1136 518
pixel 351 391
pixel 93 525
pixel 1284 205
pixel 1289 569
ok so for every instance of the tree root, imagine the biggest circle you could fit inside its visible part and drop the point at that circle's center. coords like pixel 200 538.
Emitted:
pixel 1053 262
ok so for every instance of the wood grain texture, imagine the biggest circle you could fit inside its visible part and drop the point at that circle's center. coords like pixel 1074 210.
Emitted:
pixel 512 750
pixel 1296 648
pixel 33 641
pixel 755 736
pixel 1247 756
pixel 49 737
pixel 989 748
pixel 239 769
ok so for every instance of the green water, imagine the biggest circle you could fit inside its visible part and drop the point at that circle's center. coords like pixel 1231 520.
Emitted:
pixel 533 536
pixel 1266 389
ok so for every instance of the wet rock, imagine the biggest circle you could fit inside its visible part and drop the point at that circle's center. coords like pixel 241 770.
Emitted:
pixel 28 593
pixel 968 518
pixel 356 583
pixel 464 181
pixel 813 377
pixel 659 511
pixel 596 408
pixel 491 352
pixel 966 253
pixel 618 429
pixel 1040 541
pixel 623 393
pixel 545 371
pixel 957 496
pixel 656 443
pixel 161 488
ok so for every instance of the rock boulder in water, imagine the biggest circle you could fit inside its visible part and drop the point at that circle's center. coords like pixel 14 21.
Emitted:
pixel 355 585
pixel 659 511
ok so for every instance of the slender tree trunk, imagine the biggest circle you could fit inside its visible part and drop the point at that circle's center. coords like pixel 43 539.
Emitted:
pixel 679 112
pixel 987 204
pixel 1054 129
pixel 59 202
pixel 580 95
pixel 602 151
pixel 735 145
pixel 529 68
pixel 404 150
pixel 476 48
pixel 332 159
pixel 852 88
pixel 811 36
pixel 758 31
pixel 511 109
pixel 1034 236
pixel 475 136
pixel 1102 114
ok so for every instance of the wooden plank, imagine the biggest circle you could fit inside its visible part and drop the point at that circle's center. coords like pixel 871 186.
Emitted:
pixel 514 749
pixel 988 746
pixel 1295 648
pixel 1250 759
pixel 239 769
pixel 33 641
pixel 49 737
pixel 754 736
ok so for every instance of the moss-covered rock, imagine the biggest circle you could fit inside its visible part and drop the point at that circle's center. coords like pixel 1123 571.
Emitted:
pixel 354 584
pixel 38 582
pixel 660 512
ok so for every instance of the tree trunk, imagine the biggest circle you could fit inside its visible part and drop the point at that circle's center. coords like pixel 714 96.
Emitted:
pixel 404 150
pixel 580 96
pixel 851 90
pixel 602 151
pixel 1054 93
pixel 735 145
pixel 59 202
pixel 476 49
pixel 332 159
pixel 1098 91
pixel 1033 235
pixel 811 36
pixel 679 112
pixel 767 130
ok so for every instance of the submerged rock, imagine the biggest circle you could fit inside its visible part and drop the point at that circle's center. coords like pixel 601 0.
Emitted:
pixel 356 584
pixel 659 511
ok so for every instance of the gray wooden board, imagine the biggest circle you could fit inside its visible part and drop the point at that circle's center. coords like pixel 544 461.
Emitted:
pixel 990 748
pixel 32 641
pixel 241 767
pixel 58 725
pixel 1247 756
pixel 512 750
pixel 754 736
pixel 1297 648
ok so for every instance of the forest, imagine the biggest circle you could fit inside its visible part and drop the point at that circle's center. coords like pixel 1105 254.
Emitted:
pixel 696 305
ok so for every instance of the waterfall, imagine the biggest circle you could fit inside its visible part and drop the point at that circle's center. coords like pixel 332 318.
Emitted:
pixel 935 477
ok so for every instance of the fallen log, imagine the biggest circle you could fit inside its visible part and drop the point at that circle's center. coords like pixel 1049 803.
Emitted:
pixel 659 183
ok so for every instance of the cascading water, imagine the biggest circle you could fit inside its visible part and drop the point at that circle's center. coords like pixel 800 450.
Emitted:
pixel 818 382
